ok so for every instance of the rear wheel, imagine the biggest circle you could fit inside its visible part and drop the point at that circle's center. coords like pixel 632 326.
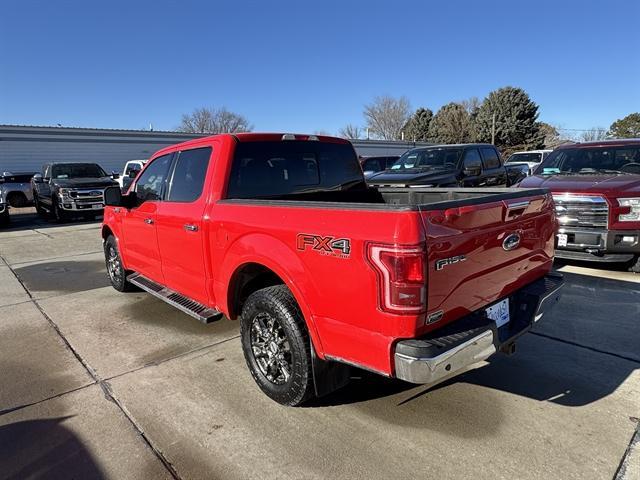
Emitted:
pixel 115 270
pixel 276 345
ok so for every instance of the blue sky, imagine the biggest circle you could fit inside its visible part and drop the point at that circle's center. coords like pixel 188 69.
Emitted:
pixel 307 66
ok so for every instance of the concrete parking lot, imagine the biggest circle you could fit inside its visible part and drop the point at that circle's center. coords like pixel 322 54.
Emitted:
pixel 98 384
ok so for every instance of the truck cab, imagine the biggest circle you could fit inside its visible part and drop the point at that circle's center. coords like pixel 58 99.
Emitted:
pixel 463 165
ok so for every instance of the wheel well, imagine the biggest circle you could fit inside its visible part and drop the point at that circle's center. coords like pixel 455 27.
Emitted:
pixel 246 280
pixel 16 195
pixel 106 231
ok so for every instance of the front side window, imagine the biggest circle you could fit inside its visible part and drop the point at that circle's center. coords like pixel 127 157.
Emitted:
pixel 490 158
pixel 150 183
pixel 188 175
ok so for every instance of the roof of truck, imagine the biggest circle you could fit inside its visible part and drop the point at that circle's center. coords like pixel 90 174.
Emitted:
pixel 617 142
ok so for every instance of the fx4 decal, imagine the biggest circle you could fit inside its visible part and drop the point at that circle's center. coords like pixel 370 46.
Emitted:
pixel 331 246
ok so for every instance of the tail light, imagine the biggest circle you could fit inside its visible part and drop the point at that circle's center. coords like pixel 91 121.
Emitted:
pixel 402 282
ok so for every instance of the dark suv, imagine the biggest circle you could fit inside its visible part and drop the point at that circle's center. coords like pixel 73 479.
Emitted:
pixel 71 189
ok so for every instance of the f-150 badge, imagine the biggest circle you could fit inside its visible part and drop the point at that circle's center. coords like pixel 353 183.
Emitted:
pixel 443 262
pixel 331 246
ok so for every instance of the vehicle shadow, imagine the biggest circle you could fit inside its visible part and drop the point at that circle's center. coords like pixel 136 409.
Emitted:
pixel 27 219
pixel 68 276
pixel 44 449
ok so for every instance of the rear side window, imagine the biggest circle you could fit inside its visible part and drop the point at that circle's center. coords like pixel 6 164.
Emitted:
pixel 490 158
pixel 275 169
pixel 150 183
pixel 372 165
pixel 188 175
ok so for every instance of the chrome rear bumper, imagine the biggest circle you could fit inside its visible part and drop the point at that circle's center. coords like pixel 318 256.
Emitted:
pixel 474 338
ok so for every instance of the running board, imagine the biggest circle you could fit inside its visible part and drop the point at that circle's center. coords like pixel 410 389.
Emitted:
pixel 187 305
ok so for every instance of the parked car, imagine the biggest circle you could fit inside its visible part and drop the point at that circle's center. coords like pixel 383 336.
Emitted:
pixel 131 170
pixel 371 165
pixel 66 189
pixel 282 231
pixel 531 159
pixel 464 165
pixel 596 188
pixel 16 189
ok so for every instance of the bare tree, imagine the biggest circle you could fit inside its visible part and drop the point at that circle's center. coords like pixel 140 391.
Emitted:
pixel 322 133
pixel 594 134
pixel 214 120
pixel 350 131
pixel 386 116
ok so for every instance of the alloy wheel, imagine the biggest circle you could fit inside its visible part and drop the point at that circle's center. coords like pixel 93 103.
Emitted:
pixel 271 348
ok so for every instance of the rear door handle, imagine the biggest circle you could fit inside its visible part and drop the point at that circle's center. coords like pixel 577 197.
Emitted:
pixel 148 221
pixel 190 227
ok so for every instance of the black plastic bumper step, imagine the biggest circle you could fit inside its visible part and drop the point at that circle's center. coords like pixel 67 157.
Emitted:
pixel 185 304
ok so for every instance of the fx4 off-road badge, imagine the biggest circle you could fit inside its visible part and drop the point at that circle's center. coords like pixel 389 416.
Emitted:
pixel 331 246
pixel 443 262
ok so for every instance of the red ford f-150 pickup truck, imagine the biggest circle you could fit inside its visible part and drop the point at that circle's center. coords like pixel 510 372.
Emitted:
pixel 281 231
pixel 596 187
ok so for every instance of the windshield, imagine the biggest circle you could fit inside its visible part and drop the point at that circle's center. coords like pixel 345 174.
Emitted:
pixel 444 158
pixel 525 157
pixel 623 159
pixel 276 169
pixel 77 170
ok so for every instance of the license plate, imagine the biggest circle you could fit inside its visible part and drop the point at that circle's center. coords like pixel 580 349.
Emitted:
pixel 562 240
pixel 499 312
pixel 97 206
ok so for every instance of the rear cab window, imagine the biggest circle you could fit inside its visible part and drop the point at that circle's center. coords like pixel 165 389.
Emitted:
pixel 277 169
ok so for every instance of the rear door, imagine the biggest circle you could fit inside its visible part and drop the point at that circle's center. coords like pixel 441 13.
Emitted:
pixel 481 253
pixel 139 222
pixel 180 225
pixel 493 173
pixel 471 161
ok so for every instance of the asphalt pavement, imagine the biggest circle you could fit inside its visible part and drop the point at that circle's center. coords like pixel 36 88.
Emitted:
pixel 99 384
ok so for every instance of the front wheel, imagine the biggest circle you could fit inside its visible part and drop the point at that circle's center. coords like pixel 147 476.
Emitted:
pixel 56 212
pixel 115 270
pixel 276 345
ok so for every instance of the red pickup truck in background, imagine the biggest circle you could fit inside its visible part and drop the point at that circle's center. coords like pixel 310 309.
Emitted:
pixel 324 272
pixel 596 188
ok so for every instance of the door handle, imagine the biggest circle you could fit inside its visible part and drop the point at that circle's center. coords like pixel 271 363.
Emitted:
pixel 148 221
pixel 190 228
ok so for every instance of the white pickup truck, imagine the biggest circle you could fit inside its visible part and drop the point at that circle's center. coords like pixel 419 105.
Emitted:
pixel 131 170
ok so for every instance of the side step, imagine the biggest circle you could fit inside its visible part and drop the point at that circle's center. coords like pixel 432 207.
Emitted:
pixel 187 305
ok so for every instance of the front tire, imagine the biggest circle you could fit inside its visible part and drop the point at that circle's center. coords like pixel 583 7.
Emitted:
pixel 116 272
pixel 276 346
pixel 4 218
pixel 635 265
pixel 56 212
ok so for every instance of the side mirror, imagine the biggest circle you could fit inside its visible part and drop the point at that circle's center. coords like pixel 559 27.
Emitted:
pixel 37 178
pixel 115 175
pixel 471 171
pixel 113 196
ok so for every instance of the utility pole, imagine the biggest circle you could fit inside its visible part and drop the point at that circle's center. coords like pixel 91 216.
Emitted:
pixel 493 130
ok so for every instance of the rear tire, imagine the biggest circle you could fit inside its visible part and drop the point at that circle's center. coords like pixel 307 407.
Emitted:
pixel 276 346
pixel 116 272
pixel 635 265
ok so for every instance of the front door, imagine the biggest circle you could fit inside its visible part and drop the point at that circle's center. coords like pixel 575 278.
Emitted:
pixel 181 230
pixel 139 222
pixel 494 173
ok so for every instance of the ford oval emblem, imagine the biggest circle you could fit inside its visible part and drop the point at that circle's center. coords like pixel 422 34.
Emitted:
pixel 511 242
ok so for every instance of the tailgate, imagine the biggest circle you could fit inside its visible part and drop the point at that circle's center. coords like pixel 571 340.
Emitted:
pixel 480 253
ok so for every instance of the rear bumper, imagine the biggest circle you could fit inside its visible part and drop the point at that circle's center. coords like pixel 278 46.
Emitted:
pixel 598 245
pixel 475 337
